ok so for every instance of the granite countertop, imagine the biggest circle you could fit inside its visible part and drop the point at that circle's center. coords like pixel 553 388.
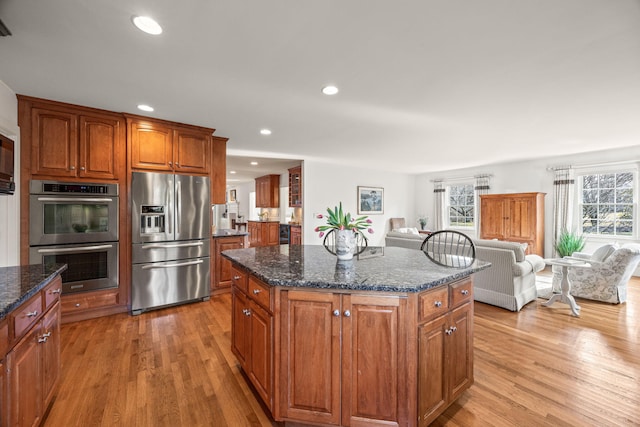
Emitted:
pixel 226 232
pixel 18 284
pixel 387 269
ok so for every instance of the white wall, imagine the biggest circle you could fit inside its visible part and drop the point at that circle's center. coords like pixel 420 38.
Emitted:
pixel 10 205
pixel 326 185
pixel 526 176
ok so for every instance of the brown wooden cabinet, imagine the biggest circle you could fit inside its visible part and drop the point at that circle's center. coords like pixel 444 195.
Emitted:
pixel 34 361
pixel 517 217
pixel 162 146
pixel 295 187
pixel 341 359
pixel 220 266
pixel 218 169
pixel 67 142
pixel 252 333
pixel 268 191
pixel 295 235
pixel 263 233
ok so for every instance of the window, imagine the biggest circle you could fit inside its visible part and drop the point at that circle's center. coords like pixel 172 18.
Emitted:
pixel 461 205
pixel 607 203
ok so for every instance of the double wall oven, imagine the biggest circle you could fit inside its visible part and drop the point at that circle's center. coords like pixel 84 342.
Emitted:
pixel 76 224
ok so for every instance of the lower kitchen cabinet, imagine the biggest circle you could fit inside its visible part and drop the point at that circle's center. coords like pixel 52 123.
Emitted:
pixel 342 358
pixel 3 394
pixel 221 266
pixel 263 233
pixel 295 235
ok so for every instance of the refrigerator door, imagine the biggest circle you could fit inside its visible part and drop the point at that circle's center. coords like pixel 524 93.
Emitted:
pixel 193 209
pixel 152 207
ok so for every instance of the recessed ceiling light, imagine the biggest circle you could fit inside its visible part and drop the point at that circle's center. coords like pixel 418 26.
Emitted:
pixel 265 132
pixel 232 172
pixel 145 107
pixel 254 163
pixel 330 90
pixel 148 25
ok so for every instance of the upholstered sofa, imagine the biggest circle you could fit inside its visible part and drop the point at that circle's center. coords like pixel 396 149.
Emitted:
pixel 509 283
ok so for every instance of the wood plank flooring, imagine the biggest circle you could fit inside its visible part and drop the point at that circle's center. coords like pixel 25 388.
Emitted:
pixel 174 367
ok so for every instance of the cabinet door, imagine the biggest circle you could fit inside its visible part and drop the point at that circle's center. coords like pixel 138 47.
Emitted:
pixel 25 386
pixel 4 408
pixel 522 217
pixel 261 371
pixel 371 360
pixel 50 349
pixel 295 187
pixel 295 236
pixel 192 152
pixel 310 357
pixel 151 145
pixel 54 145
pixel 101 146
pixel 493 218
pixel 272 233
pixel 460 350
pixel 255 234
pixel 223 273
pixel 432 380
pixel 240 339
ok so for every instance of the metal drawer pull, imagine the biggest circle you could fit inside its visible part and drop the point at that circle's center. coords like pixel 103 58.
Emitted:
pixel 438 304
pixel 336 313
pixel 47 335
pixel 246 312
pixel 180 264
pixel 347 313
pixel 236 277
pixel 56 291
pixel 32 313
pixel 464 292
pixel 42 340
pixel 257 291
pixel 171 245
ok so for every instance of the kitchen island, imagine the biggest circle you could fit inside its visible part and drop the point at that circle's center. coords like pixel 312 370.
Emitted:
pixel 385 339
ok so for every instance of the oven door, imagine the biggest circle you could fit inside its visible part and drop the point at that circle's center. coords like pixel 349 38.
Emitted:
pixel 89 267
pixel 56 220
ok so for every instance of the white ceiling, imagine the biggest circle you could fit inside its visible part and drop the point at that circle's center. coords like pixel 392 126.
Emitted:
pixel 425 85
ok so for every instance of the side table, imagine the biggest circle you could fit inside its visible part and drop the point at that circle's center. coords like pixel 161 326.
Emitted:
pixel 565 295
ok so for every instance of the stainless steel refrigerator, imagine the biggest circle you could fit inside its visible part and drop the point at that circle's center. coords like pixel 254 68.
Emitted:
pixel 170 240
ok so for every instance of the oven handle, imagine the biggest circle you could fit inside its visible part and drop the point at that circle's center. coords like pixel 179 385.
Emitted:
pixel 180 264
pixel 171 245
pixel 76 249
pixel 76 199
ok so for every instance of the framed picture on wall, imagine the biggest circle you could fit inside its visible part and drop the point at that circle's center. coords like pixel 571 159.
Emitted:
pixel 232 195
pixel 370 200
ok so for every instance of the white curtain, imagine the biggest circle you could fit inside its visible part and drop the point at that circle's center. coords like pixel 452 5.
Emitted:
pixel 439 194
pixel 482 187
pixel 563 192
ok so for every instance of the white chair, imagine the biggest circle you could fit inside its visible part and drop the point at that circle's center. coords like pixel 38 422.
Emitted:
pixel 606 280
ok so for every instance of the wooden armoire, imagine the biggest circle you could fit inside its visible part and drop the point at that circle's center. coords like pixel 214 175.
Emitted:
pixel 516 217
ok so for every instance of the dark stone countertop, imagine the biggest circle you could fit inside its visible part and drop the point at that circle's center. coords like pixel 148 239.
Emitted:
pixel 385 269
pixel 18 284
pixel 227 232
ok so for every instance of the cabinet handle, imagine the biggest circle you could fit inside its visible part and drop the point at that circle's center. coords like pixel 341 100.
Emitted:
pixel 170 164
pixel 257 291
pixel 336 313
pixel 81 168
pixel 56 291
pixel 32 313
pixel 42 340
pixel 78 304
pixel 47 335
pixel 236 277
pixel 438 304
pixel 453 329
pixel 464 292
pixel 347 313
pixel 247 312
pixel 72 168
pixel 177 165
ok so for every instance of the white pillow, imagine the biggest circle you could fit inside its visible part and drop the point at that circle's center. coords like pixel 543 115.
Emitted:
pixel 402 230
pixel 412 230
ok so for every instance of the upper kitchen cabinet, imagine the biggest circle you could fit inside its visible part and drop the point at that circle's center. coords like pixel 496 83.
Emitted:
pixel 158 145
pixel 268 191
pixel 218 170
pixel 295 187
pixel 70 141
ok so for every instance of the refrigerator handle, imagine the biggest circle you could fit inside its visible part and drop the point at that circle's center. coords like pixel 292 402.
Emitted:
pixel 179 205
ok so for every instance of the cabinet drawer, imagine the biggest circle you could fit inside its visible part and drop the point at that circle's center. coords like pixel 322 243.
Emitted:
pixel 433 303
pixel 239 278
pixel 75 303
pixel 4 340
pixel 26 315
pixel 51 293
pixel 260 292
pixel 461 292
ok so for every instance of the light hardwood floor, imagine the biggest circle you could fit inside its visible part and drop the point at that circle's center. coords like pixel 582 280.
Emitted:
pixel 174 367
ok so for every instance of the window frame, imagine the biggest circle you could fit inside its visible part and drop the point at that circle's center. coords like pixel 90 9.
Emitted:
pixel 448 205
pixel 577 215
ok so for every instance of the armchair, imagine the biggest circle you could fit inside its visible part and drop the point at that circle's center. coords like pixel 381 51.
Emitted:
pixel 606 280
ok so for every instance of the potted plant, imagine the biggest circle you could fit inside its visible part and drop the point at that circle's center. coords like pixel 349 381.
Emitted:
pixel 569 242
pixel 422 220
pixel 345 227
